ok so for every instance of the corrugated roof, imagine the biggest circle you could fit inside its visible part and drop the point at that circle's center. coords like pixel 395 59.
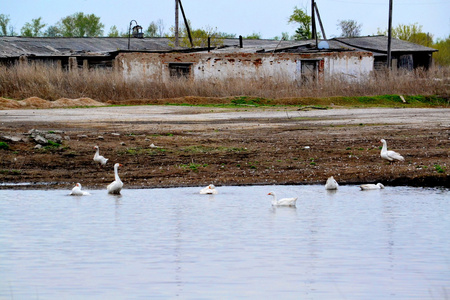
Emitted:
pixel 17 46
pixel 11 47
pixel 379 44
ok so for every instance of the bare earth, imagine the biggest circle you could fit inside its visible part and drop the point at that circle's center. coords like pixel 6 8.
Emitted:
pixel 195 146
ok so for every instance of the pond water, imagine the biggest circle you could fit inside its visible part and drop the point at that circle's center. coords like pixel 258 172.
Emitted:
pixel 175 243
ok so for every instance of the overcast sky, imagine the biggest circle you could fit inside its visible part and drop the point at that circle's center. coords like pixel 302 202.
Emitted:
pixel 241 17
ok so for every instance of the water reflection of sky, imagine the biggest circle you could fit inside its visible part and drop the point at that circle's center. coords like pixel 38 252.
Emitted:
pixel 169 243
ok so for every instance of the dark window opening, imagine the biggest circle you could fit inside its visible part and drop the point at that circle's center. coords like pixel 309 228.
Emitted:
pixel 180 69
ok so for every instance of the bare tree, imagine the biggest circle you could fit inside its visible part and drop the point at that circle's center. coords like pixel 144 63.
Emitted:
pixel 349 28
pixel 161 27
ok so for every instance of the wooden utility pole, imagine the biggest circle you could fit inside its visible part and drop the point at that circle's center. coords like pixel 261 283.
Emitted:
pixel 320 21
pixel 177 42
pixel 389 58
pixel 186 24
pixel 313 21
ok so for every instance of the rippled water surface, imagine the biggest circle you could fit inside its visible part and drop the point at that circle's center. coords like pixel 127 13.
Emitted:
pixel 175 243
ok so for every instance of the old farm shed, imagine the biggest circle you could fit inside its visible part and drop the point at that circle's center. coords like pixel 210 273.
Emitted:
pixel 156 60
pixel 293 61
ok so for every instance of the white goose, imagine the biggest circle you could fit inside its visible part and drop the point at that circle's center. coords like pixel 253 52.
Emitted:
pixel 76 191
pixel 370 186
pixel 116 186
pixel 210 189
pixel 331 184
pixel 98 158
pixel 283 201
pixel 388 154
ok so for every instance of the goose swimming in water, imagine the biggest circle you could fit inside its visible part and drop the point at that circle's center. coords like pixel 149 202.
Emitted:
pixel 371 186
pixel 209 190
pixel 76 191
pixel 283 201
pixel 116 186
pixel 331 184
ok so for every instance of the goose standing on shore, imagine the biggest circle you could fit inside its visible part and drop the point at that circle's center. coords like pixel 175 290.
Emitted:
pixel 365 187
pixel 388 154
pixel 116 186
pixel 98 158
pixel 283 201
pixel 331 184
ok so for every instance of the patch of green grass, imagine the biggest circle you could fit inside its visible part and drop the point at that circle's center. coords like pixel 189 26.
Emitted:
pixel 306 103
pixel 391 101
pixel 51 146
pixel 250 101
pixel 10 172
pixel 192 167
pixel 439 169
pixel 205 149
pixel 141 151
pixel 252 165
pixel 4 146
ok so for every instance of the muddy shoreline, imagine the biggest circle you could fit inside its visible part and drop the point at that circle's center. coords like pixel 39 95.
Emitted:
pixel 174 146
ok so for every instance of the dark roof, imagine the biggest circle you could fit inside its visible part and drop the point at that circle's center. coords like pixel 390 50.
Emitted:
pixel 379 44
pixel 17 46
pixel 103 46
pixel 13 47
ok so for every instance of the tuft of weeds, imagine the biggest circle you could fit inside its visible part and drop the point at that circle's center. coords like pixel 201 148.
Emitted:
pixel 4 146
pixel 439 169
pixel 10 172
pixel 194 167
pixel 141 151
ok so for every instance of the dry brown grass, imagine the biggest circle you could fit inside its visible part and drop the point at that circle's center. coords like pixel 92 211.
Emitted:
pixel 51 83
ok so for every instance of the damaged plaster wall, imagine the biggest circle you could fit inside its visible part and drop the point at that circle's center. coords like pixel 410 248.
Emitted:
pixel 352 65
pixel 157 67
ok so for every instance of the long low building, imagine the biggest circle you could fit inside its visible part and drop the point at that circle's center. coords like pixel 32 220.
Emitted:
pixel 224 65
pixel 157 59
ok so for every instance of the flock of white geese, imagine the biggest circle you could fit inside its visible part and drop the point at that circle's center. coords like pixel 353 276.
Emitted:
pixel 386 154
pixel 116 186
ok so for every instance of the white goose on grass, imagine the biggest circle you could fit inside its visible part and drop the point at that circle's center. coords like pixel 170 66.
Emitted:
pixel 283 201
pixel 370 186
pixel 331 184
pixel 116 186
pixel 209 190
pixel 76 191
pixel 389 154
pixel 98 158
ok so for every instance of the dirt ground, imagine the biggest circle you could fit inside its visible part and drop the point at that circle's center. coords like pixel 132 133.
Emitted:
pixel 168 146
